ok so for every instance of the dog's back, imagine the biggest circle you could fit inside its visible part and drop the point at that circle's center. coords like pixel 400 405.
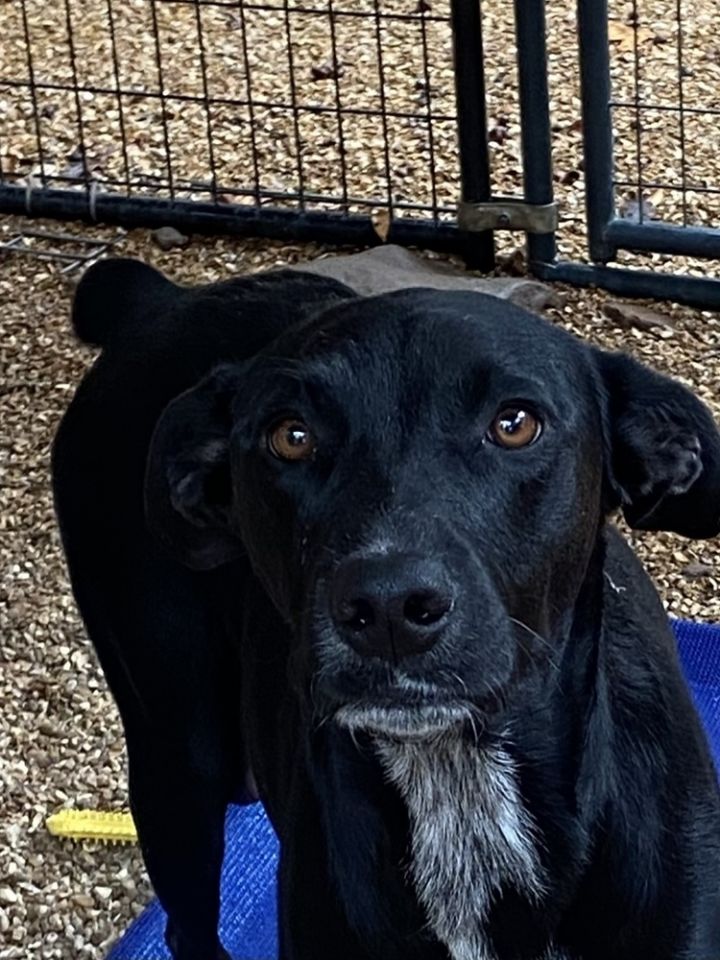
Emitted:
pixel 157 626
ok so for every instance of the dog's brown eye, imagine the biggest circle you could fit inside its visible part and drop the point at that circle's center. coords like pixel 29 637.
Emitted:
pixel 515 427
pixel 291 440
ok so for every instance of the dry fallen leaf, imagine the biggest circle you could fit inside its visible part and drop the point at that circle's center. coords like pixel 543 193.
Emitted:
pixel 381 223
pixel 624 35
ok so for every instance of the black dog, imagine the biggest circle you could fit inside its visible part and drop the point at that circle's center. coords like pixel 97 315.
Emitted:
pixel 352 553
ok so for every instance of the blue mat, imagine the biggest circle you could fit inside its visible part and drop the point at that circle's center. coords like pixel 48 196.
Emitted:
pixel 249 913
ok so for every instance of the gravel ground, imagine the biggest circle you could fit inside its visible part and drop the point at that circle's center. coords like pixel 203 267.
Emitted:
pixel 60 739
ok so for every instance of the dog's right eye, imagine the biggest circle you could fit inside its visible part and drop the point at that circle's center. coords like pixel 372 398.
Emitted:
pixel 291 439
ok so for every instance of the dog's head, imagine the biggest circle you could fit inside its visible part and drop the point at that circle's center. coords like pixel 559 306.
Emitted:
pixel 419 481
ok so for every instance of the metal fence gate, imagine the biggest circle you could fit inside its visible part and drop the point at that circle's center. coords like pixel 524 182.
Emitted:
pixel 351 122
pixel 620 131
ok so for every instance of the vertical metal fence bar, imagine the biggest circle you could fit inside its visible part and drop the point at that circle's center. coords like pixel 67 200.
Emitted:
pixel 429 118
pixel 638 113
pixel 250 102
pixel 33 92
pixel 383 105
pixel 472 122
pixel 338 104
pixel 163 99
pixel 295 110
pixel 531 34
pixel 681 105
pixel 78 105
pixel 121 114
pixel 206 101
pixel 597 124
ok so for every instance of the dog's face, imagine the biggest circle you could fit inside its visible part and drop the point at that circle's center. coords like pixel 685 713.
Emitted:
pixel 419 481
pixel 420 491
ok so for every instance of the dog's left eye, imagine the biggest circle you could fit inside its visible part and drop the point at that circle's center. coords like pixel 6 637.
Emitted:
pixel 291 439
pixel 515 427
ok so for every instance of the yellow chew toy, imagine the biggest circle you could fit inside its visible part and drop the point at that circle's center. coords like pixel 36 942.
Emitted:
pixel 93 825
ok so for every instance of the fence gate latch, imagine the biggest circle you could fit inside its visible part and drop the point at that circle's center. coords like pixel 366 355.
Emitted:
pixel 508 215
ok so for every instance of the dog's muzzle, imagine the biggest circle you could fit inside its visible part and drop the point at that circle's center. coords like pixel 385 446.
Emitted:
pixel 387 610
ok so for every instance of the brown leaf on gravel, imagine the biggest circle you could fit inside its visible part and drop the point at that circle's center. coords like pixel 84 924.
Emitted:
pixel 381 223
pixel 627 315
pixel 624 35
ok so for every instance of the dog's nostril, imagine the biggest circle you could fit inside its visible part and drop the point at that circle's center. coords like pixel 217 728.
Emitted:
pixel 358 614
pixel 423 610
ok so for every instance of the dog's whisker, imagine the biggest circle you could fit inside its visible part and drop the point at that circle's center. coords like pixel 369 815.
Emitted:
pixel 475 721
pixel 455 676
pixel 533 633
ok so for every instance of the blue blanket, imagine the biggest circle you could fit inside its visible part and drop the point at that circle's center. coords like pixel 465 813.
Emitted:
pixel 248 921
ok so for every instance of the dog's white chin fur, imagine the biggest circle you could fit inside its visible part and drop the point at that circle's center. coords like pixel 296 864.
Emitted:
pixel 471 834
pixel 417 722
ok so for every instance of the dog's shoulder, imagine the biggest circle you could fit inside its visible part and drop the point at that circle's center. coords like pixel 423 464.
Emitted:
pixel 639 655
pixel 660 772
pixel 631 604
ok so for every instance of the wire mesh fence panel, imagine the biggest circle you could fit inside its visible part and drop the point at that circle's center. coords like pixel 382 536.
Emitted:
pixel 350 121
pixel 665 111
pixel 303 106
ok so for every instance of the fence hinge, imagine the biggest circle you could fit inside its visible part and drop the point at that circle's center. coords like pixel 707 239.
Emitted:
pixel 508 215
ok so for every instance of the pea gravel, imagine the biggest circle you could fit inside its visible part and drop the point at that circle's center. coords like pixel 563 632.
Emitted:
pixel 60 738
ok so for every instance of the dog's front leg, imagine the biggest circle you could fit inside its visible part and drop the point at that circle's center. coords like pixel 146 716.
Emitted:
pixel 180 821
pixel 313 925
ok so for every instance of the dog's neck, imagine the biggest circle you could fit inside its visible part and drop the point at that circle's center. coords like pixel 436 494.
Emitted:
pixel 476 812
pixel 493 822
pixel 471 835
pixel 476 819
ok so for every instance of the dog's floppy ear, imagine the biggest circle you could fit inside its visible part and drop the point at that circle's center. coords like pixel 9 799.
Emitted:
pixel 116 293
pixel 188 488
pixel 664 461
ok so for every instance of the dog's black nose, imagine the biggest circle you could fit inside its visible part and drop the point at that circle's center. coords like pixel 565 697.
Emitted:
pixel 391 606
